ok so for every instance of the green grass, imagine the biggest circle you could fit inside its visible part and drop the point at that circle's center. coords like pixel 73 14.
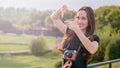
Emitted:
pixel 25 61
pixel 50 41
pixel 9 63
pixel 114 65
pixel 29 61
pixel 15 38
pixel 26 39
pixel 7 48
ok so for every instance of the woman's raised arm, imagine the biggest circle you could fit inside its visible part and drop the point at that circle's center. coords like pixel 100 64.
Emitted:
pixel 56 18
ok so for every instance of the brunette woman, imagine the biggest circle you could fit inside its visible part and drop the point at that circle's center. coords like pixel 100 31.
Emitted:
pixel 80 32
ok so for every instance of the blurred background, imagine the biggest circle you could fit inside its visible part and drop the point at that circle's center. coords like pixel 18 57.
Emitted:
pixel 28 37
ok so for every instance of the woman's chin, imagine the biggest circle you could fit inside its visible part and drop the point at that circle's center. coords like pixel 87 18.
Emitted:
pixel 81 27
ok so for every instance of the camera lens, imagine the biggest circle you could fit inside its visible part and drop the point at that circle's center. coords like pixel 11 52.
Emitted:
pixel 68 54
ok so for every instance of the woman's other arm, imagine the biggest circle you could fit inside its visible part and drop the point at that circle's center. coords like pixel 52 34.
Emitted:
pixel 91 46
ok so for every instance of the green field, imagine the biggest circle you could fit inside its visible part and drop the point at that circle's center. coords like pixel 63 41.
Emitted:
pixel 25 39
pixel 29 61
pixel 7 48
pixel 16 38
pixel 12 40
pixel 8 43
pixel 114 65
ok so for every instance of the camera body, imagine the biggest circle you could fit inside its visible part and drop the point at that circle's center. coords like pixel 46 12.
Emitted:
pixel 70 55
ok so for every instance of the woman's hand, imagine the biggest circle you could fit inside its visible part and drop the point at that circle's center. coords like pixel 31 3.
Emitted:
pixel 64 9
pixel 72 25
pixel 60 12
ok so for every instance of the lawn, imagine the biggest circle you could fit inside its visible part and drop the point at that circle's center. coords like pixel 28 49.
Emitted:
pixel 8 48
pixel 114 65
pixel 16 38
pixel 8 43
pixel 29 61
pixel 24 61
pixel 25 39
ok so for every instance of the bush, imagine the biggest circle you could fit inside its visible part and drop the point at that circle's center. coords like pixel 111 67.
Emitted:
pixel 104 40
pixel 58 64
pixel 38 46
pixel 105 36
pixel 113 49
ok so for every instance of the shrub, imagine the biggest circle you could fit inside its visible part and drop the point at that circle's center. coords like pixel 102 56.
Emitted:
pixel 99 56
pixel 113 49
pixel 38 46
pixel 105 37
pixel 58 64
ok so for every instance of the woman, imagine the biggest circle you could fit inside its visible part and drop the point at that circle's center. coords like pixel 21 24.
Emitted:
pixel 78 33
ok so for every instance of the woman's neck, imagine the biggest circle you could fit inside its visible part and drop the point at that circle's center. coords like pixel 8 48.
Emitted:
pixel 84 31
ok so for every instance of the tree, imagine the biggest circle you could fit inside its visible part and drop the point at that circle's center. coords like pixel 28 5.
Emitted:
pixel 113 48
pixel 23 24
pixel 114 18
pixel 105 38
pixel 48 22
pixel 100 15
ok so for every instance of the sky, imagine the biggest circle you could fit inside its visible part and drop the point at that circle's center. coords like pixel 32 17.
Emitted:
pixel 54 4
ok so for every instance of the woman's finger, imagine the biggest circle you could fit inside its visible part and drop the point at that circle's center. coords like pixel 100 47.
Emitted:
pixel 63 10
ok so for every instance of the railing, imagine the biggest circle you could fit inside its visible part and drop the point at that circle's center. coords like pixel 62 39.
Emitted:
pixel 104 63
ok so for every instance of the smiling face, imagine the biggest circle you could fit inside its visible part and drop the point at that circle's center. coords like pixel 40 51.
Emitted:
pixel 85 19
pixel 82 19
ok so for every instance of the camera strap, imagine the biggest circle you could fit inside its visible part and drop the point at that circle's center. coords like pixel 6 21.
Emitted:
pixel 68 64
pixel 76 50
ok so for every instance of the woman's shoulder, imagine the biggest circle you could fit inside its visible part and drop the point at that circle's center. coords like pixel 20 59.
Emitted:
pixel 96 38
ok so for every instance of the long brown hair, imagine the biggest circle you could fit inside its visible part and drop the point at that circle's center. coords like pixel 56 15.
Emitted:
pixel 68 37
pixel 91 20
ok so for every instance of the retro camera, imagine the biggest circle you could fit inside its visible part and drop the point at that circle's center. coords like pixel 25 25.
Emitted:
pixel 70 55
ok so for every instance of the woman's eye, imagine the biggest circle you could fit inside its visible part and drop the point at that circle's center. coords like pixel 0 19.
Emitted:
pixel 83 18
pixel 78 17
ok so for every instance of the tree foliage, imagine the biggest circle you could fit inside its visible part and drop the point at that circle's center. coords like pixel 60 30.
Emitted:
pixel 113 48
pixel 103 15
pixel 106 18
pixel 114 18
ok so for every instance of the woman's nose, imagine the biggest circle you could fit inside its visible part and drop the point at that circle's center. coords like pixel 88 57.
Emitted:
pixel 79 21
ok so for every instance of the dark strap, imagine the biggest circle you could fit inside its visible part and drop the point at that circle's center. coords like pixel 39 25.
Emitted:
pixel 77 49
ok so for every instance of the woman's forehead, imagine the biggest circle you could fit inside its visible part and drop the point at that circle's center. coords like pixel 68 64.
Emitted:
pixel 81 13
